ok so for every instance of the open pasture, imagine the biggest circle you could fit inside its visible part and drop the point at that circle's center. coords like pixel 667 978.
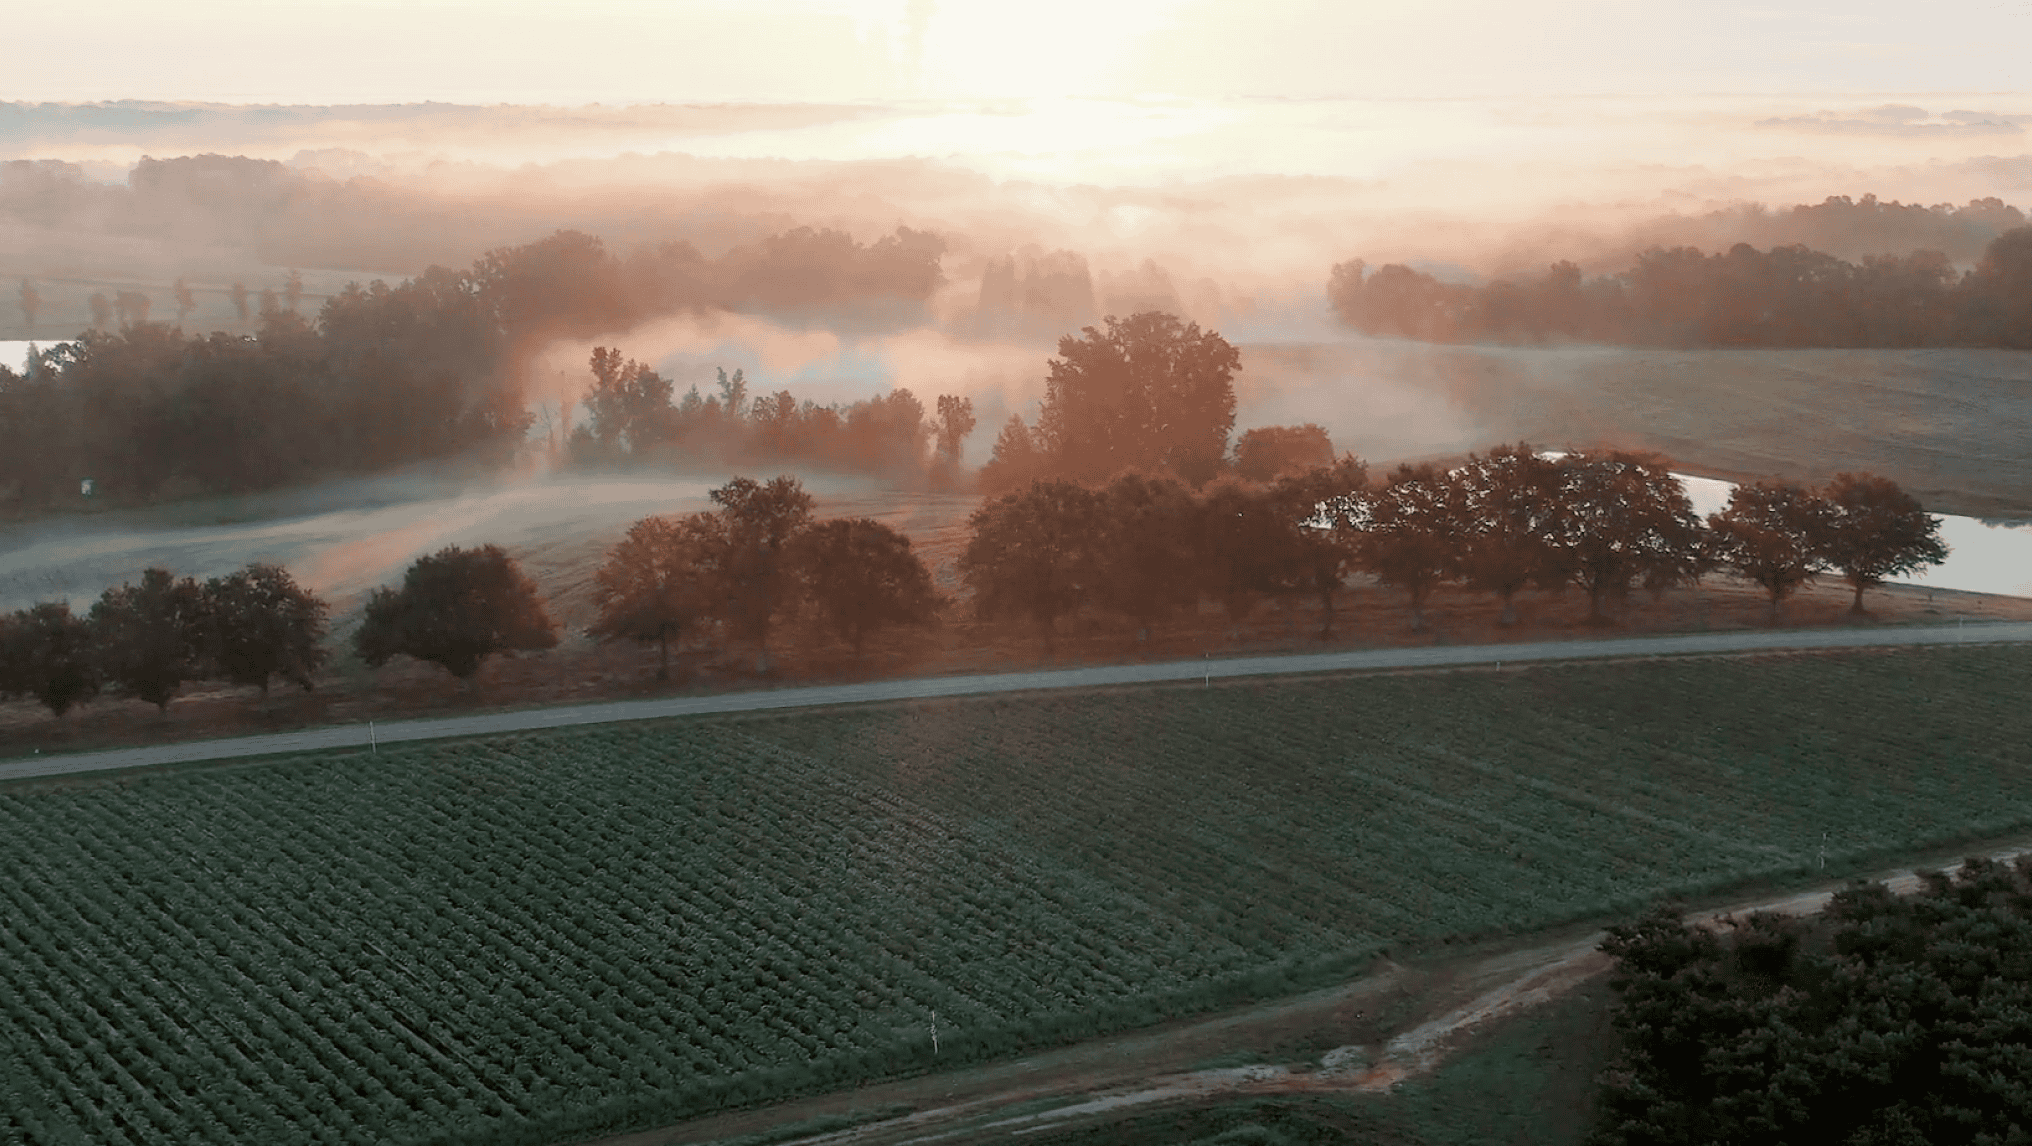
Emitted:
pixel 549 935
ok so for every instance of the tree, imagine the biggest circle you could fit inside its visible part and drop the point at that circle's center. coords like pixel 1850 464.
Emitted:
pixel 1408 534
pixel 1321 550
pixel 1151 393
pixel 48 654
pixel 1015 461
pixel 659 582
pixel 1614 517
pixel 1143 549
pixel 292 290
pixel 955 422
pixel 186 301
pixel 628 401
pixel 151 636
pixel 102 310
pixel 31 304
pixel 455 608
pixel 1773 534
pixel 1886 1020
pixel 760 521
pixel 1504 503
pixel 1030 554
pixel 259 624
pixel 238 293
pixel 1877 531
pixel 862 575
pixel 1269 452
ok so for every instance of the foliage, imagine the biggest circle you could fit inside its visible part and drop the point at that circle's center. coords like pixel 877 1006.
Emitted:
pixel 1878 531
pixel 559 936
pixel 759 521
pixel 1407 533
pixel 1144 542
pixel 455 608
pixel 259 624
pixel 1892 1020
pixel 1030 554
pixel 151 637
pixel 1151 393
pixel 1773 534
pixel 1787 295
pixel 1614 517
pixel 1320 549
pixel 48 654
pixel 660 581
pixel 1269 452
pixel 1504 511
pixel 862 575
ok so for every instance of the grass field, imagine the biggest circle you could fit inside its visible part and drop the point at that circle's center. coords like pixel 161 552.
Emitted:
pixel 539 936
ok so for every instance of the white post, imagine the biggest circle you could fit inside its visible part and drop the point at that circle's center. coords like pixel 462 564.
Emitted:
pixel 934 1032
pixel 372 739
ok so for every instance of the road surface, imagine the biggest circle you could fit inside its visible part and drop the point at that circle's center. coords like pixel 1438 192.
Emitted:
pixel 921 688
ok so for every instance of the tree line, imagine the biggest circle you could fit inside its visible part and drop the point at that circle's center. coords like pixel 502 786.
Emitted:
pixel 384 375
pixel 146 641
pixel 1681 296
pixel 630 415
pixel 1140 548
pixel 1148 547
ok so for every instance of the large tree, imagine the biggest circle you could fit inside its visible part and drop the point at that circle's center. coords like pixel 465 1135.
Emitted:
pixel 455 608
pixel 1150 393
pixel 259 624
pixel 1408 533
pixel 660 581
pixel 1030 554
pixel 49 654
pixel 1877 531
pixel 1321 551
pixel 1614 517
pixel 1503 506
pixel 1773 534
pixel 151 636
pixel 1144 548
pixel 1269 452
pixel 862 575
pixel 760 520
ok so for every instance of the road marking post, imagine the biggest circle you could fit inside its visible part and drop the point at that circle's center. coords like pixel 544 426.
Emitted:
pixel 372 739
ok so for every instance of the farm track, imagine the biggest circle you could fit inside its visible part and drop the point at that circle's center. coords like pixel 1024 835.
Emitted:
pixel 1090 1082
pixel 922 688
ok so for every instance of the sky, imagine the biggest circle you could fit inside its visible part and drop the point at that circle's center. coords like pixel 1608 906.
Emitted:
pixel 632 51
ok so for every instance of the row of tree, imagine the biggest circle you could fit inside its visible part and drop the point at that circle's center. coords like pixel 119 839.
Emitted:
pixel 145 641
pixel 1681 296
pixel 733 571
pixel 631 415
pixel 1145 548
pixel 385 375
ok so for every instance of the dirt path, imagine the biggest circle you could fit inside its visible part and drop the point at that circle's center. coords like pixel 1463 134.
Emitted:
pixel 1437 1011
pixel 918 688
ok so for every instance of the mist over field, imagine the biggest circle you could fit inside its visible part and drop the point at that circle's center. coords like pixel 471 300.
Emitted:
pixel 1051 212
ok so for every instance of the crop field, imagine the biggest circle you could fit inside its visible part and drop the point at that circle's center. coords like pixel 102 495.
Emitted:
pixel 547 935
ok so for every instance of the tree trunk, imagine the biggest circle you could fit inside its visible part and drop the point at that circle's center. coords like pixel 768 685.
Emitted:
pixel 1326 610
pixel 662 654
pixel 1509 616
pixel 1857 608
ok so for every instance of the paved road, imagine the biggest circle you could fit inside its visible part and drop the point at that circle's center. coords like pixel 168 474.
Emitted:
pixel 918 688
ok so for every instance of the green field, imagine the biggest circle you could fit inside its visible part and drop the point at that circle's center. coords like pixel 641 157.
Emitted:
pixel 536 936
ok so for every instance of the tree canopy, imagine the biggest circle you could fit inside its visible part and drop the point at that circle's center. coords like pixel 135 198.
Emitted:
pixel 862 575
pixel 151 637
pixel 1150 393
pixel 660 581
pixel 259 624
pixel 1878 531
pixel 1887 1020
pixel 455 608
